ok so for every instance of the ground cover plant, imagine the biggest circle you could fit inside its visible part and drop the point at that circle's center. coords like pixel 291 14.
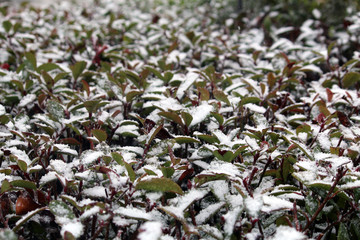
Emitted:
pixel 159 120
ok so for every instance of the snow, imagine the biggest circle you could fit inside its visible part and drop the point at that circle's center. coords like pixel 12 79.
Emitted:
pixel 272 203
pixel 288 233
pixel 64 148
pixel 189 80
pixel 135 213
pixel 90 156
pixel 253 205
pixel 150 231
pixel 179 205
pixel 90 212
pixel 28 99
pixel 2 110
pixel 97 191
pixel 207 212
pixel 200 113
pixel 74 227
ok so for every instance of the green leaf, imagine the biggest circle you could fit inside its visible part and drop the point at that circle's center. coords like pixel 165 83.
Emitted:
pixel 118 158
pixel 172 117
pixel 22 165
pixel 91 105
pixel 160 185
pixel 218 118
pixel 7 25
pixel 204 178
pixel 24 184
pixel 168 76
pixel 132 94
pixel 48 79
pixel 130 171
pixel 343 232
pixel 185 139
pixel 246 100
pixel 350 79
pixel 61 209
pixel 55 110
pixel 167 171
pixel 47 67
pixel 187 118
pixel 155 72
pixel 204 94
pixel 31 58
pixel 5 186
pixel 99 134
pixel 221 96
pixel 77 69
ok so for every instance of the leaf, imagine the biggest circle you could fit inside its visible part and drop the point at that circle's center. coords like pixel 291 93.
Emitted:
pixel 350 79
pixel 167 171
pixel 204 94
pixel 31 58
pixel 70 141
pixel 27 217
pixel 187 118
pixel 77 69
pixel 160 185
pixel 61 209
pixel 99 134
pixel 344 119
pixel 155 72
pixel 118 158
pixel 91 105
pixel 47 67
pixel 5 186
pixel 185 139
pixel 204 178
pixel 221 96
pixel 218 118
pixel 172 117
pixel 22 165
pixel 7 25
pixel 343 232
pixel 130 171
pixel 132 94
pixel 24 184
pixel 246 100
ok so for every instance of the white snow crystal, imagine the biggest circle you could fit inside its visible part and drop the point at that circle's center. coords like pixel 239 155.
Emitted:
pixel 200 113
pixel 288 233
pixel 150 231
pixel 29 98
pixel 74 227
pixel 97 191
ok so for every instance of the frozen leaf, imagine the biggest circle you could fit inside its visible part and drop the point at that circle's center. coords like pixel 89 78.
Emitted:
pixel 77 69
pixel 159 184
pixel 350 79
pixel 99 134
pixel 221 96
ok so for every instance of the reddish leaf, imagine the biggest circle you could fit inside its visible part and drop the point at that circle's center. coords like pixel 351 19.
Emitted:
pixel 344 119
pixel 330 94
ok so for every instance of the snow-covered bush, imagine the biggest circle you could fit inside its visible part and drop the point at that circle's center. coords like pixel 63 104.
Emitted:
pixel 138 120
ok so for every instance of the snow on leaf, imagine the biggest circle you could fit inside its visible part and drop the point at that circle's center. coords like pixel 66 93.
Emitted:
pixel 90 156
pixel 288 233
pixel 200 113
pixel 150 231
pixel 97 192
pixel 207 212
pixel 134 213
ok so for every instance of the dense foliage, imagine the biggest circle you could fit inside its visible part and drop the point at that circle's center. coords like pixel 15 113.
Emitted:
pixel 140 120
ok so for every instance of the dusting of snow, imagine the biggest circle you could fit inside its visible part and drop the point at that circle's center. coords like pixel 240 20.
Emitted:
pixel 150 231
pixel 288 233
